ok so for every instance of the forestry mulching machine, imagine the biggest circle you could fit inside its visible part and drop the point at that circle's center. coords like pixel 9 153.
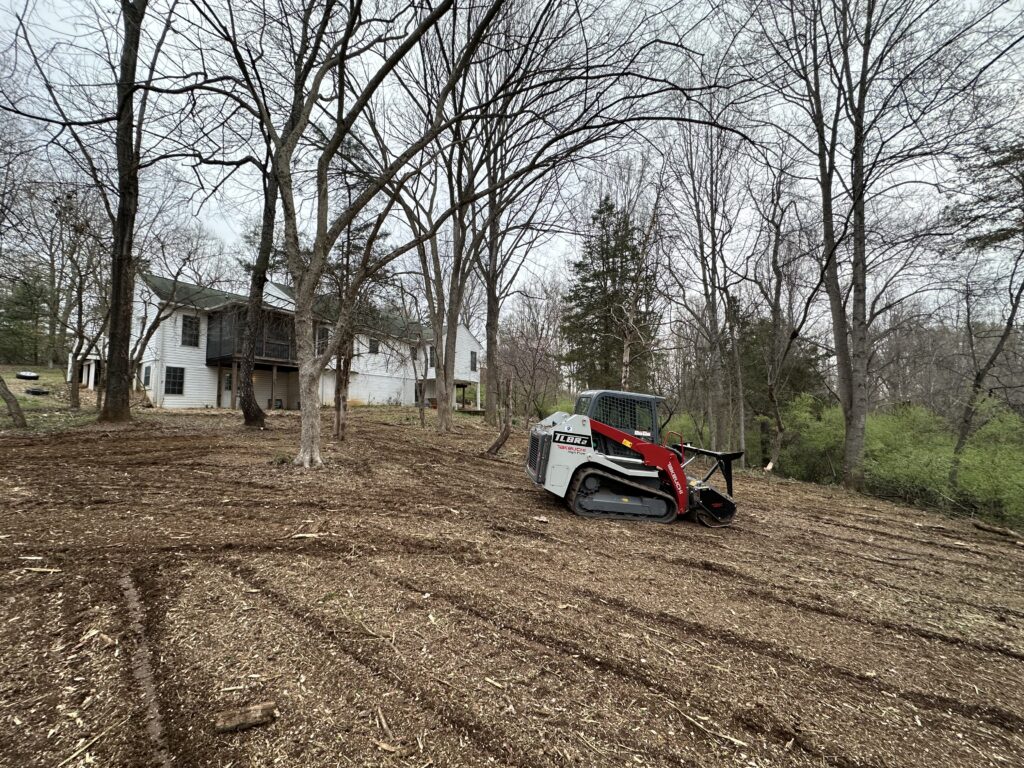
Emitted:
pixel 605 460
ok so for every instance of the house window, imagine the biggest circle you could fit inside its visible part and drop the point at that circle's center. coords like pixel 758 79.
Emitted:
pixel 323 335
pixel 190 331
pixel 227 381
pixel 145 376
pixel 374 346
pixel 174 381
pixel 432 363
pixel 472 361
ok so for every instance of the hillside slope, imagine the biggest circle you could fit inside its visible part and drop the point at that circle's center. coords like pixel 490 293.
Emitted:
pixel 417 604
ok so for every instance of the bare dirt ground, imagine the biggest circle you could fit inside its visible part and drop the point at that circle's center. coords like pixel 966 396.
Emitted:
pixel 415 604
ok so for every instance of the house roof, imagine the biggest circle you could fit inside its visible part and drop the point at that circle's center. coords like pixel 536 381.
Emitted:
pixel 178 292
pixel 386 322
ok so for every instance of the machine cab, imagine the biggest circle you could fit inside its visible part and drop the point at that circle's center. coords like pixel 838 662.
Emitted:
pixel 630 412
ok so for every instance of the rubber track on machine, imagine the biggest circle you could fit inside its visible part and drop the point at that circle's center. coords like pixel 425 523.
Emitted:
pixel 641 490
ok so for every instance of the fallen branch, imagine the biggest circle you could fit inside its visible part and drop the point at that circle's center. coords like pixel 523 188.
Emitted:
pixel 91 741
pixel 246 717
pixel 996 529
pixel 717 734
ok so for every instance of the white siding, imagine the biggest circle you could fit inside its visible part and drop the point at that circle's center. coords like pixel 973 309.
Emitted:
pixel 374 389
pixel 393 358
pixel 200 379
pixel 145 306
pixel 384 377
pixel 285 388
pixel 465 344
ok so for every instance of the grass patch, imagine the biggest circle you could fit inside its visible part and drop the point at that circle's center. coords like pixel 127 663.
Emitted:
pixel 908 454
pixel 46 413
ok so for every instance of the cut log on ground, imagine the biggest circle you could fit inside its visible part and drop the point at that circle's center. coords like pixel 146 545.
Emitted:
pixel 246 717
pixel 996 529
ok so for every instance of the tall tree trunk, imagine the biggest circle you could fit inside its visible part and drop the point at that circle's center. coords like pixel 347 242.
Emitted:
pixel 100 383
pixel 720 426
pixel 343 377
pixel 74 394
pixel 963 431
pixel 443 393
pixel 506 428
pixel 971 406
pixel 13 406
pixel 446 371
pixel 627 357
pixel 309 381
pixel 779 432
pixel 491 416
pixel 741 409
pixel 856 412
pixel 117 403
pixel 251 411
pixel 422 405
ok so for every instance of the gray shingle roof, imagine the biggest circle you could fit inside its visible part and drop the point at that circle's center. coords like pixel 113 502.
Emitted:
pixel 178 292
pixel 385 322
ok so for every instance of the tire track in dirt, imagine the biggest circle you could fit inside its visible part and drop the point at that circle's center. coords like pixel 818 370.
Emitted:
pixel 823 608
pixel 610 734
pixel 142 669
pixel 803 532
pixel 836 569
pixel 495 743
pixel 342 685
pixel 470 604
pixel 847 571
pixel 997 716
pixel 938 705
pixel 958 546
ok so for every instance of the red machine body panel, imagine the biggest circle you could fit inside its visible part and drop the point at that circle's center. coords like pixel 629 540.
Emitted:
pixel 655 456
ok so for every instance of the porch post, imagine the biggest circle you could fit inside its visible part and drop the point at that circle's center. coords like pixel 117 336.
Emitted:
pixel 273 385
pixel 478 395
pixel 234 384
pixel 220 383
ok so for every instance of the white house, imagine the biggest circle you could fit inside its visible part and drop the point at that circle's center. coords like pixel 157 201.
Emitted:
pixel 191 360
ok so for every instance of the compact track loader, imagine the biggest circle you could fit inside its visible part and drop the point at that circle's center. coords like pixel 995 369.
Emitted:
pixel 605 460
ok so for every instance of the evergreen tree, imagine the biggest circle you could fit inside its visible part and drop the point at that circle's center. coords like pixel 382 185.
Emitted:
pixel 611 317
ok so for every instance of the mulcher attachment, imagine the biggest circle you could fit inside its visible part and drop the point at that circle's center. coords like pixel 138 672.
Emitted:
pixel 709 505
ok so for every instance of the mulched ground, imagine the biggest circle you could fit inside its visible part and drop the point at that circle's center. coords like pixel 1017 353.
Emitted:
pixel 415 604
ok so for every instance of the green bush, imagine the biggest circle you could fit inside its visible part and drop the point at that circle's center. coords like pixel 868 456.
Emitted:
pixel 812 448
pixel 992 466
pixel 683 424
pixel 907 455
pixel 566 404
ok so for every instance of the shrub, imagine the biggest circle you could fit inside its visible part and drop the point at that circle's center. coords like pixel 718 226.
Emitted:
pixel 812 447
pixel 907 455
pixel 683 424
pixel 992 466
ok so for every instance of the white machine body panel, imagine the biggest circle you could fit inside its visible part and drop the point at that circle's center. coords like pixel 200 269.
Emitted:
pixel 572 445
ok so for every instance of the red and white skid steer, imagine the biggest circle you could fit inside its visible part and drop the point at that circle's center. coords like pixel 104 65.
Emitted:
pixel 605 460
